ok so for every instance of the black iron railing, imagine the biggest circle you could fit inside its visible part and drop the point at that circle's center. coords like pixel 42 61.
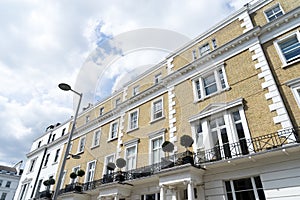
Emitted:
pixel 247 146
pixel 226 151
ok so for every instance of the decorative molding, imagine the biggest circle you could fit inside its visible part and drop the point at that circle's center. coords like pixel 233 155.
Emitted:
pixel 278 104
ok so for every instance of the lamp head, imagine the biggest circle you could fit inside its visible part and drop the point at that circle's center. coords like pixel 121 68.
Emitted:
pixel 64 86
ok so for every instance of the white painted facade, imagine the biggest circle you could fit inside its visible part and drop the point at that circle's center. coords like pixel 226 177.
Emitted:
pixel 31 182
pixel 9 180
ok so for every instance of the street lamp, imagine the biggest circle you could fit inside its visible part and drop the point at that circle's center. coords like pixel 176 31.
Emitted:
pixel 67 87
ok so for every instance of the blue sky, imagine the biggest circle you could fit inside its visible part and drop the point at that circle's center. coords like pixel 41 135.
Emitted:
pixel 44 43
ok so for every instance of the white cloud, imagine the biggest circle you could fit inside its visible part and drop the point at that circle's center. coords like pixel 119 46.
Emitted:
pixel 44 43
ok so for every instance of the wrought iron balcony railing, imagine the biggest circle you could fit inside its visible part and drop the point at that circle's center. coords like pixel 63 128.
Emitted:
pixel 247 146
pixel 226 151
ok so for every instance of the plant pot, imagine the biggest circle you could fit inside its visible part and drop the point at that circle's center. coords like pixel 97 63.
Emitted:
pixel 78 188
pixel 45 194
pixel 188 159
pixel 120 177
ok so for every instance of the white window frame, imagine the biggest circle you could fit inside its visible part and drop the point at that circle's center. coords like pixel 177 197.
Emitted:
pixel 90 170
pixel 214 43
pixel 154 136
pixel 70 150
pixel 135 90
pixel 57 153
pixel 225 110
pixel 200 89
pixel 157 78
pixel 63 179
pixel 254 187
pixel 130 128
pixel 101 111
pixel 152 109
pixel 106 162
pixel 131 145
pixel 96 138
pixel 117 102
pixel 79 150
pixel 279 51
pixel 194 54
pixel 87 119
pixel 111 129
pixel 272 8
pixel 75 169
pixel 32 165
pixel 295 87
pixel 46 161
pixel 207 48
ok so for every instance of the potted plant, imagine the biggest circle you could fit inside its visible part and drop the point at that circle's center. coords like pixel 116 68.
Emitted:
pixel 187 141
pixel 74 175
pixel 48 183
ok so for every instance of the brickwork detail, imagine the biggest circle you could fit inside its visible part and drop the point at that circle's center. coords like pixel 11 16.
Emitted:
pixel 247 22
pixel 170 65
pixel 172 118
pixel 269 84
pixel 120 134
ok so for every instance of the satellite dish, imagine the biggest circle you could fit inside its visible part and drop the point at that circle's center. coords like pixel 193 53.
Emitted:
pixel 110 166
pixel 167 146
pixel 121 162
pixel 186 141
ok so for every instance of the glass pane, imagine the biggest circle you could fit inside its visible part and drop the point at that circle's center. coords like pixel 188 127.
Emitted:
pixel 276 9
pixel 221 121
pixel 236 116
pixel 213 124
pixel 261 194
pixel 258 182
pixel 245 195
pixel 227 185
pixel 242 184
pixel 209 80
pixel 211 89
pixel 229 196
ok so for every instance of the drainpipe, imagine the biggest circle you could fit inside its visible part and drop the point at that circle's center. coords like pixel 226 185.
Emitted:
pixel 38 174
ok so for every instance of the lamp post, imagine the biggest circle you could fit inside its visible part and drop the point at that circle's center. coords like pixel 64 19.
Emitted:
pixel 66 87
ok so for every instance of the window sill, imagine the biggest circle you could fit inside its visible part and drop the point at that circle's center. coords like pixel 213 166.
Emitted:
pixel 131 130
pixel 54 163
pixel 157 119
pixel 78 153
pixel 93 147
pixel 112 139
pixel 285 65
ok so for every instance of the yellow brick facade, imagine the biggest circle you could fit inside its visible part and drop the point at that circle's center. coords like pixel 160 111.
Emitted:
pixel 255 86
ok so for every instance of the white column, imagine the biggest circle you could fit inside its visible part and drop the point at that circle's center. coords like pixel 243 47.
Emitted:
pixel 116 197
pixel 190 190
pixel 162 192
pixel 174 194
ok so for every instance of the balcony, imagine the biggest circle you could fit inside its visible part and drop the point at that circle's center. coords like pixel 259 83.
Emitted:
pixel 247 146
pixel 227 151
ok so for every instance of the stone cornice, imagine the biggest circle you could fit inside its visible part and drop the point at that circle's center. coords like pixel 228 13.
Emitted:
pixel 229 49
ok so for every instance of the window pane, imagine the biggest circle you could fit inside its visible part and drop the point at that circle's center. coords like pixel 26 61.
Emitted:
pixel 261 194
pixel 249 195
pixel 258 182
pixel 198 89
pixel 210 85
pixel 221 76
pixel 227 185
pixel 242 184
pixel 290 48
